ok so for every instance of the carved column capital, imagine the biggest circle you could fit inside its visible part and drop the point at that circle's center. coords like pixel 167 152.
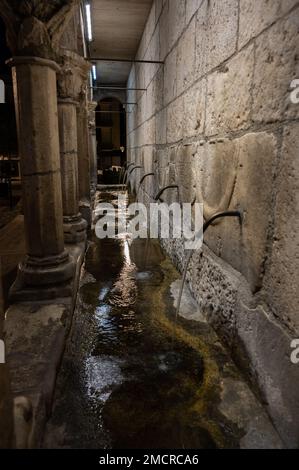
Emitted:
pixel 35 28
pixel 72 82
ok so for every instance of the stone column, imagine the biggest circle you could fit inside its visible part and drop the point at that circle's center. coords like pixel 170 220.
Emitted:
pixel 47 262
pixel 93 147
pixel 68 92
pixel 83 160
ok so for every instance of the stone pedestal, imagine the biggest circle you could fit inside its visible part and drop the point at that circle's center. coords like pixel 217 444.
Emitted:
pixel 47 262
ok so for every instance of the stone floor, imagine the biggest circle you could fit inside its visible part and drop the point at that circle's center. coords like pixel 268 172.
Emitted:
pixel 35 336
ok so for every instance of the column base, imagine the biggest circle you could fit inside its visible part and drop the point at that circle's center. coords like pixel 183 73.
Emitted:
pixel 74 228
pixel 85 209
pixel 43 278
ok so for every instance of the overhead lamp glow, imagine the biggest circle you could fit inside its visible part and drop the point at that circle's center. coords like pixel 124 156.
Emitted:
pixel 88 19
pixel 94 72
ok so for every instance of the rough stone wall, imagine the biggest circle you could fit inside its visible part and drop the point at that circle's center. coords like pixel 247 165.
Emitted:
pixel 217 119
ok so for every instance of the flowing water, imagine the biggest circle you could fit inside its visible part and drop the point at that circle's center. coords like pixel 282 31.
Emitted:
pixel 126 381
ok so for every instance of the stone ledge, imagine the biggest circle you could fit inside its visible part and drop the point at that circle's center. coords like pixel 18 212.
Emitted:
pixel 35 336
pixel 259 344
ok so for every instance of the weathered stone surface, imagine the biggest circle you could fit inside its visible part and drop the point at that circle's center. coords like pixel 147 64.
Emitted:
pixel 256 16
pixel 268 348
pixel 247 274
pixel 217 23
pixel 215 170
pixel 176 20
pixel 150 132
pixel 47 262
pixel 222 31
pixel 163 32
pixel 161 127
pixel 35 334
pixel 175 120
pixel 185 58
pixel 158 9
pixel 170 84
pixel 231 175
pixel 246 249
pixel 35 28
pixel 276 66
pixel 191 7
pixel 282 278
pixel 239 405
pixel 69 157
pixel 184 174
pixel 201 39
pixel 194 110
pixel 229 95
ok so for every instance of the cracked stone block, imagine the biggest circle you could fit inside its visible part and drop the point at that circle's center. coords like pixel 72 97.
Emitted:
pixel 201 39
pixel 277 64
pixel 150 132
pixel 191 7
pixel 161 127
pixel 158 9
pixel 282 293
pixel 194 110
pixel 217 26
pixel 268 348
pixel 229 94
pixel 245 248
pixel 176 20
pixel 238 175
pixel 185 172
pixel 256 16
pixel 170 84
pixel 186 58
pixel 163 32
pixel 175 117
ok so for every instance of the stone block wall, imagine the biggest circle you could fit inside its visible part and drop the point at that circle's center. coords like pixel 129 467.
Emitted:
pixel 217 119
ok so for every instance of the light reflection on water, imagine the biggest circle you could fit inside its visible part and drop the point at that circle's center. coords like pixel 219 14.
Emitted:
pixel 127 383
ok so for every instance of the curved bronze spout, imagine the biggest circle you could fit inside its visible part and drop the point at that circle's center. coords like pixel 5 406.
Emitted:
pixel 127 165
pixel 141 181
pixel 145 176
pixel 125 175
pixel 205 227
pixel 135 168
pixel 222 214
pixel 171 186
pixel 121 174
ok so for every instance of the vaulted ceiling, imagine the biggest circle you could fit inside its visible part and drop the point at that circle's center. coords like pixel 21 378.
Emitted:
pixel 117 30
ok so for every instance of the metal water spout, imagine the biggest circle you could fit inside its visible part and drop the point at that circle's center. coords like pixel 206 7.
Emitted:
pixel 126 173
pixel 143 178
pixel 141 181
pixel 206 225
pixel 135 168
pixel 170 186
pixel 129 164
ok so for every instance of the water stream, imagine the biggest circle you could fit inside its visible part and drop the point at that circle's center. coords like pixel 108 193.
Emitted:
pixel 126 381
